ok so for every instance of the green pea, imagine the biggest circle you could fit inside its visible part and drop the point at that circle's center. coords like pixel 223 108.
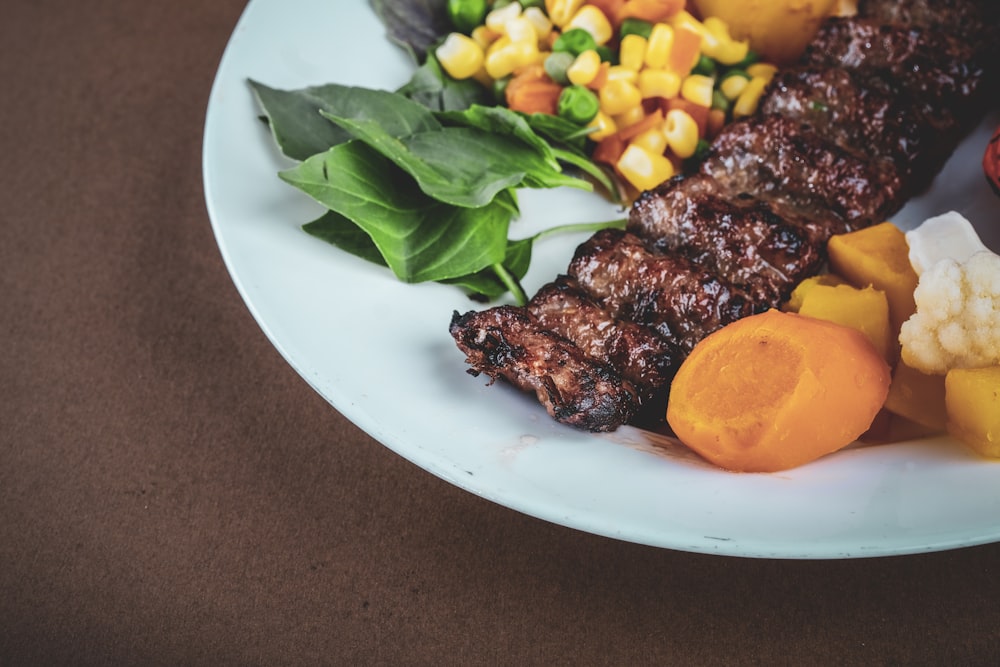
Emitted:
pixel 465 15
pixel 575 41
pixel 750 58
pixel 556 65
pixel 607 54
pixel 720 101
pixel 634 26
pixel 578 104
pixel 705 66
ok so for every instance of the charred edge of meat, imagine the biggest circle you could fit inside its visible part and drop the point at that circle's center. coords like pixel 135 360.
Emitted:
pixel 641 355
pixel 974 21
pixel 576 390
pixel 862 118
pixel 782 160
pixel 740 238
pixel 667 292
pixel 933 66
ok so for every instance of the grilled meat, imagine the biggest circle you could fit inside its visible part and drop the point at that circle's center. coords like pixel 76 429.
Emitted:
pixel 975 21
pixel 863 119
pixel 642 356
pixel 679 299
pixel 745 240
pixel 942 72
pixel 875 106
pixel 507 342
pixel 782 160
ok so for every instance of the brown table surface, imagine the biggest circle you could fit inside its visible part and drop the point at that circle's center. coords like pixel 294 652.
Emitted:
pixel 172 492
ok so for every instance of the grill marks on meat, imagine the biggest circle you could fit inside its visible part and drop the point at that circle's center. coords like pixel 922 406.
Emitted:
pixel 574 388
pixel 642 356
pixel 748 242
pixel 875 106
pixel 783 160
pixel 682 301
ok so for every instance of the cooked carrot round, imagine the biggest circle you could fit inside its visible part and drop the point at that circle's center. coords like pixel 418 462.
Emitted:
pixel 776 390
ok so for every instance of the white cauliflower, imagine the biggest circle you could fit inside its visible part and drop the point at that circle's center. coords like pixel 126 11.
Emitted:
pixel 957 321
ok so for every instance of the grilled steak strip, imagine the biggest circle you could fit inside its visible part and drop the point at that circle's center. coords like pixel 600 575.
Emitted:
pixel 642 356
pixel 680 300
pixel 975 21
pixel 781 160
pixel 744 240
pixel 863 119
pixel 507 342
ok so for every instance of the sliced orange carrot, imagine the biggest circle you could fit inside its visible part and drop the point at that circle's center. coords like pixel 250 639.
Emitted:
pixel 635 129
pixel 610 9
pixel 715 122
pixel 649 10
pixel 601 77
pixel 532 91
pixel 685 51
pixel 609 149
pixel 776 390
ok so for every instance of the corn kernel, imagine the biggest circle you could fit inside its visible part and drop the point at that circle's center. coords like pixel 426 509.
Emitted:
pixel 561 11
pixel 746 103
pixel 619 96
pixel 698 88
pixel 584 68
pixel 653 140
pixel 661 41
pixel 620 73
pixel 520 29
pixel 730 52
pixel 538 19
pixel 632 52
pixel 643 169
pixel 630 117
pixel 764 70
pixel 681 133
pixel 483 36
pixel 460 56
pixel 603 126
pixel 497 19
pixel 732 86
pixel 502 61
pixel 659 83
pixel 593 20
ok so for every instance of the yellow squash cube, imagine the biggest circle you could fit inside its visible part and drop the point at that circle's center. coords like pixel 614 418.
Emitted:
pixel 865 310
pixel 878 256
pixel 917 396
pixel 972 401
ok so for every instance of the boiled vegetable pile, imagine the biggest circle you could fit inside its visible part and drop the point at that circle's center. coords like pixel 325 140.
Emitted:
pixel 900 340
pixel 649 83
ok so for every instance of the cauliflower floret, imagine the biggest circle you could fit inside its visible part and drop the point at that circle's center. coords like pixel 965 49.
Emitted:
pixel 957 322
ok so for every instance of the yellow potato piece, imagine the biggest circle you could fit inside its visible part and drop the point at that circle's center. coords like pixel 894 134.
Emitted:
pixel 865 310
pixel 918 397
pixel 878 256
pixel 972 401
pixel 777 29
pixel 804 287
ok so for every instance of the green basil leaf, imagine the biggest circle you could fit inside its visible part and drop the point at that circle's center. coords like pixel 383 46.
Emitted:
pixel 300 130
pixel 420 239
pixel 502 121
pixel 414 24
pixel 486 283
pixel 337 230
pixel 462 166
pixel 432 88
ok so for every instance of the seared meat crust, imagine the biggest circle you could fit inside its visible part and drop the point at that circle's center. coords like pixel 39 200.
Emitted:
pixel 973 20
pixel 863 119
pixel 507 342
pixel 745 240
pixel 682 301
pixel 780 159
pixel 642 356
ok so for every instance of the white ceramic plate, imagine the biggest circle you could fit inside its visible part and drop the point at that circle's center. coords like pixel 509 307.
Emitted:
pixel 380 353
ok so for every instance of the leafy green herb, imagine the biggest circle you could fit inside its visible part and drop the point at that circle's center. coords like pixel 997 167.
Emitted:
pixel 424 180
pixel 414 24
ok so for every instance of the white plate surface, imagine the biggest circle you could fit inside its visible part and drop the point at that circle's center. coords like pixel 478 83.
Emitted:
pixel 380 353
